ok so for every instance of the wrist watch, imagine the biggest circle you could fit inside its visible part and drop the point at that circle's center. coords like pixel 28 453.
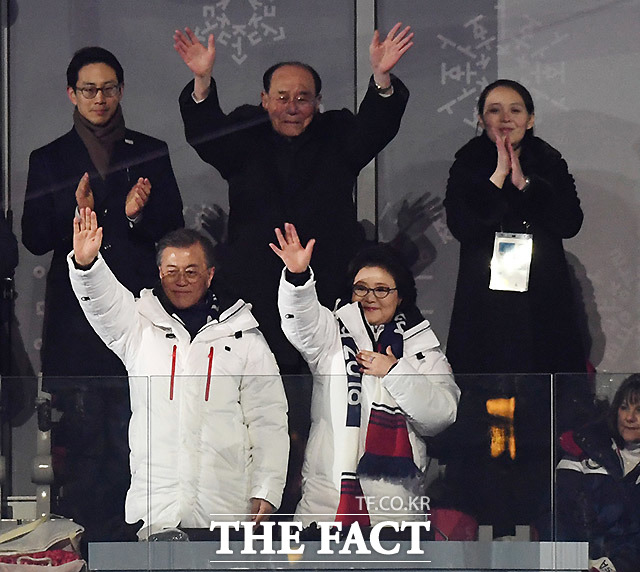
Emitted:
pixel 384 90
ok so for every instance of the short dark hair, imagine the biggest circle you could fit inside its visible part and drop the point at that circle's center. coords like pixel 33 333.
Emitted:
pixel 629 391
pixel 266 78
pixel 92 55
pixel 386 257
pixel 184 238
pixel 522 91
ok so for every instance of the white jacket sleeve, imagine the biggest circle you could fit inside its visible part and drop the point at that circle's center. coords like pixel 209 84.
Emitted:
pixel 110 308
pixel 264 406
pixel 310 327
pixel 426 390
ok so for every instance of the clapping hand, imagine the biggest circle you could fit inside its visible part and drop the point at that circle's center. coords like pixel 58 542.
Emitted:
pixel 517 176
pixel 137 198
pixel 84 194
pixel 293 254
pixel 87 237
pixel 503 166
pixel 508 162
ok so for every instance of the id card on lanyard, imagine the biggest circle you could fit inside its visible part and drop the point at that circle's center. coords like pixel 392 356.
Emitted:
pixel 511 261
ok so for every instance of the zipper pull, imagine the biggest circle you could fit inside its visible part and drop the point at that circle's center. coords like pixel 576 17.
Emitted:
pixel 208 387
pixel 173 372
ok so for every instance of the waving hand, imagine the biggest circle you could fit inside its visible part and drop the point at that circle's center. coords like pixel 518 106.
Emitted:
pixel 199 59
pixel 293 254
pixel 87 237
pixel 386 54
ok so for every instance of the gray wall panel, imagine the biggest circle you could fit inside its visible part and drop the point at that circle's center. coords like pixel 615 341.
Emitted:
pixel 453 58
pixel 581 62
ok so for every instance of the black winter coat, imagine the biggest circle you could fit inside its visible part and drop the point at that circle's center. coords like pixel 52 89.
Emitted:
pixel 70 346
pixel 513 332
pixel 306 180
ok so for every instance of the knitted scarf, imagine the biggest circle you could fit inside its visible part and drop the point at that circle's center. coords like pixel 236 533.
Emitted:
pixel 194 317
pixel 100 139
pixel 387 454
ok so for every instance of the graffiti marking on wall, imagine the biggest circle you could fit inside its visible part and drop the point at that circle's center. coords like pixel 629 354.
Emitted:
pixel 239 25
pixel 533 48
pixel 464 63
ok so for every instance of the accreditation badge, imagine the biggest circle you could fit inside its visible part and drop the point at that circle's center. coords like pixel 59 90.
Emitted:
pixel 511 262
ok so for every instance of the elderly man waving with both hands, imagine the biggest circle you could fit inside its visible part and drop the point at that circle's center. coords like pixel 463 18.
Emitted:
pixel 208 432
pixel 286 160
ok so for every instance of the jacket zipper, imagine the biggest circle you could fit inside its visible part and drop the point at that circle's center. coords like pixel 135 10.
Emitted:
pixel 206 391
pixel 173 372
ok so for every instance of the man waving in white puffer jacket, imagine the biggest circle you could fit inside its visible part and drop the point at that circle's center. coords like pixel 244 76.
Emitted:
pixel 208 431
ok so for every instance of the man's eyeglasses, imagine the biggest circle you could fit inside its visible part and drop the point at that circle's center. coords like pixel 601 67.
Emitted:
pixel 90 91
pixel 379 291
pixel 191 275
pixel 302 102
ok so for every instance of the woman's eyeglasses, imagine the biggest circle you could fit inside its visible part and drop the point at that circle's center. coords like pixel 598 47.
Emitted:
pixel 379 291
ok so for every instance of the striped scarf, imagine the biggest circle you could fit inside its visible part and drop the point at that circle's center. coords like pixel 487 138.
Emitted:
pixel 388 454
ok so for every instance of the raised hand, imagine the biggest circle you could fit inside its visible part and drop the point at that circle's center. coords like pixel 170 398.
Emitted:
pixel 87 237
pixel 293 254
pixel 84 194
pixel 199 59
pixel 137 198
pixel 385 55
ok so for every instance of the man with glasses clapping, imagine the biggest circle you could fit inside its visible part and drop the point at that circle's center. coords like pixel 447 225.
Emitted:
pixel 126 178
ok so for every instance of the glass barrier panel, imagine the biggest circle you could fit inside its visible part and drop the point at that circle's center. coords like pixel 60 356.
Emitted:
pixel 66 460
pixel 357 476
pixel 383 476
pixel 494 478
